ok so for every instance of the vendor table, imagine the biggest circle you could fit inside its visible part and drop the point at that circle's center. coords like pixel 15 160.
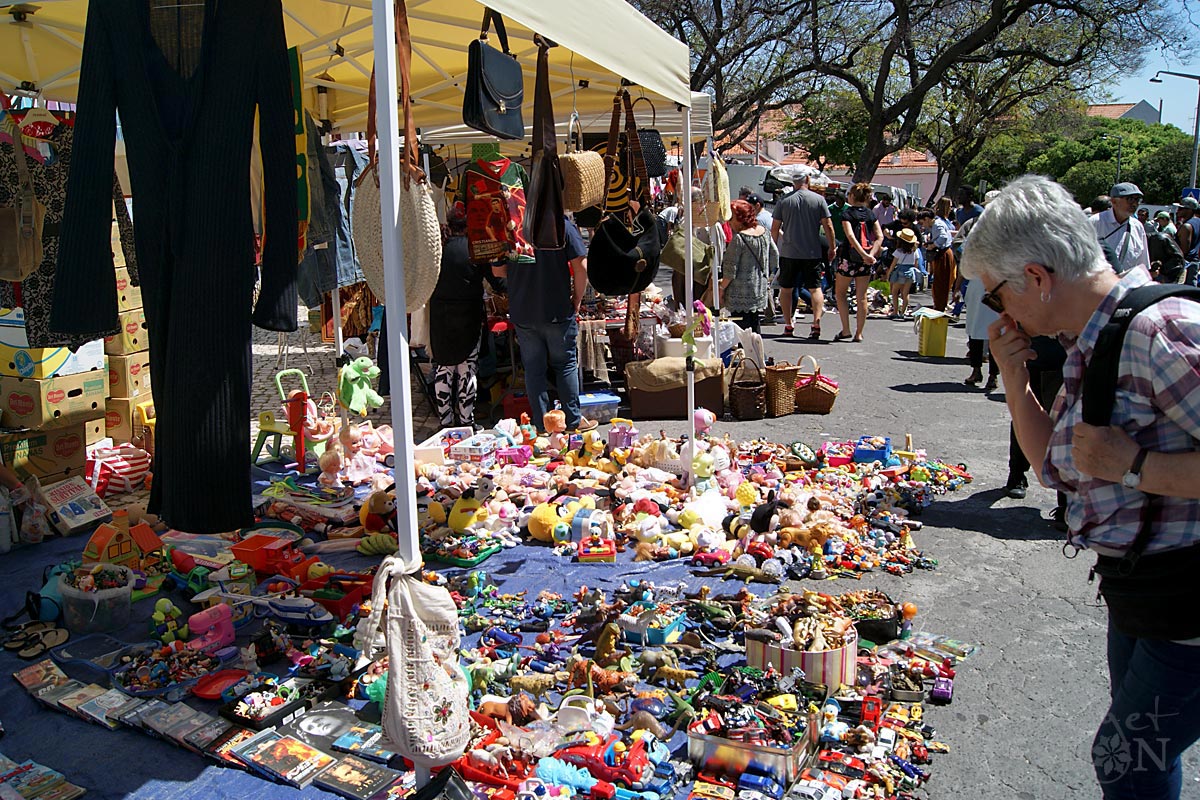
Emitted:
pixel 130 764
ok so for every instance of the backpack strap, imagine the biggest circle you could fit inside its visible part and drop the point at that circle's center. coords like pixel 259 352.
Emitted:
pixel 1100 387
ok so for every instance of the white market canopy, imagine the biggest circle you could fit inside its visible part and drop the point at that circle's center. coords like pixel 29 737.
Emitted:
pixel 600 42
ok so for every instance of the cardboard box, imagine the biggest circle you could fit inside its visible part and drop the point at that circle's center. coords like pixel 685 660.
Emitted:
pixel 20 360
pixel 51 455
pixel 122 421
pixel 129 297
pixel 93 431
pixel 72 506
pixel 33 403
pixel 129 376
pixel 132 337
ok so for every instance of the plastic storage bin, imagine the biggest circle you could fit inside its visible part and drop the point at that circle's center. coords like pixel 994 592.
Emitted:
pixel 931 327
pixel 97 612
pixel 600 406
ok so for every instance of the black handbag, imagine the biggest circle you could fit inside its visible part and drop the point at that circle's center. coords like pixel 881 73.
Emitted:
pixel 544 221
pixel 495 86
pixel 654 152
pixel 625 250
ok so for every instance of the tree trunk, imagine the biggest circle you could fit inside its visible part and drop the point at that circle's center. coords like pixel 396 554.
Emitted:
pixel 954 173
pixel 873 152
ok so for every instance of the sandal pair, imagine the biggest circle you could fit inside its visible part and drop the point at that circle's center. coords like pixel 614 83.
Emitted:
pixel 35 639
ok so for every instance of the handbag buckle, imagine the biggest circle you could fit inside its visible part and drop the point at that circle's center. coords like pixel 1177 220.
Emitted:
pixel 503 109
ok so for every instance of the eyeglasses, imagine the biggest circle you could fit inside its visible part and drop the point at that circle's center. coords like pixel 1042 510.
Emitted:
pixel 992 299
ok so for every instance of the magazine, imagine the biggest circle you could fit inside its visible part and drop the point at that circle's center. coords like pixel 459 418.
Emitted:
pixel 364 740
pixel 356 778
pixel 284 758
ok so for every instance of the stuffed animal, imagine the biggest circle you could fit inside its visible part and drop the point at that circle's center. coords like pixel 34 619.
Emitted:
pixel 704 420
pixel 355 392
pixel 542 521
pixel 378 514
pixel 589 451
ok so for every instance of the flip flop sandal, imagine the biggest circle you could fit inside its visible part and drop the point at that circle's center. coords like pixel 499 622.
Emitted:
pixel 19 638
pixel 787 330
pixel 842 337
pixel 43 641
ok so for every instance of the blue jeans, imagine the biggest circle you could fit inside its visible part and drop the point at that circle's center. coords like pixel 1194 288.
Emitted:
pixel 1153 719
pixel 551 343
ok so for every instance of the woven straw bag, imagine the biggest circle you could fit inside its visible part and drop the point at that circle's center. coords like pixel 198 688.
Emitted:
pixel 582 173
pixel 815 394
pixel 781 389
pixel 715 186
pixel 420 231
pixel 747 398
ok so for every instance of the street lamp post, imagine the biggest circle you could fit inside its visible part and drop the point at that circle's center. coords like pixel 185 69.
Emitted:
pixel 1196 128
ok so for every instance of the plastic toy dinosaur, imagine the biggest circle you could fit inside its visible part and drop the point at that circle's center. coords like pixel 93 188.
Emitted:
pixel 355 392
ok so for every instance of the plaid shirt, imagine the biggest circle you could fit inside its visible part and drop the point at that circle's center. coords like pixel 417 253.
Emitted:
pixel 1157 402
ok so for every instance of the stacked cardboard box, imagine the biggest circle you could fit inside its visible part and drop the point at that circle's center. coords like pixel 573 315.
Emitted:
pixel 128 355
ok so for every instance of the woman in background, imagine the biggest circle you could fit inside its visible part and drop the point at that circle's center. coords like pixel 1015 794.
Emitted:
pixel 747 267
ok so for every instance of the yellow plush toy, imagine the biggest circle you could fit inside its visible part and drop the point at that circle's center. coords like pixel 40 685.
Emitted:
pixel 587 454
pixel 466 512
pixel 542 522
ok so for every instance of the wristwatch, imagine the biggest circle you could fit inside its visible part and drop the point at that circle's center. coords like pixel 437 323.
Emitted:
pixel 1133 478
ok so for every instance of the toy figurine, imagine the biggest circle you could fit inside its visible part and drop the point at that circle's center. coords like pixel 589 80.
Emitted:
pixel 908 611
pixel 818 572
pixel 528 431
pixel 832 729
pixel 555 422
pixel 355 392
pixel 702 472
pixel 704 420
pixel 331 465
pixel 378 514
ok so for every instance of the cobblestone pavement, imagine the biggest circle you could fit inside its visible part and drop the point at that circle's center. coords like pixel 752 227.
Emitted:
pixel 1026 705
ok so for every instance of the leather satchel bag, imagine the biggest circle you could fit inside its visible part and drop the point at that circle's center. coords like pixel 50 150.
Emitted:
pixel 625 250
pixel 21 223
pixel 495 85
pixel 582 174
pixel 544 224
pixel 654 152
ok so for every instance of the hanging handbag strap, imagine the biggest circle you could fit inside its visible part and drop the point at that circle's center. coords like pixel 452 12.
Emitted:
pixel 491 18
pixel 653 110
pixel 24 184
pixel 610 152
pixel 410 168
pixel 637 170
pixel 545 136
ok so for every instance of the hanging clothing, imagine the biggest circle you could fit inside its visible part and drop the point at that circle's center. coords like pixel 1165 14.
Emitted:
pixel 349 160
pixel 317 273
pixel 37 290
pixel 187 81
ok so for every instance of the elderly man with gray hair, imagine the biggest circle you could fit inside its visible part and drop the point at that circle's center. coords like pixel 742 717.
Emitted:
pixel 1131 485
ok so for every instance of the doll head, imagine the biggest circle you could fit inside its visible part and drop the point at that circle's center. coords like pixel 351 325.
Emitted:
pixel 350 438
pixel 331 460
pixel 555 421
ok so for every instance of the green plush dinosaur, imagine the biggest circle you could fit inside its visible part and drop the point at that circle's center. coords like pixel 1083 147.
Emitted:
pixel 355 392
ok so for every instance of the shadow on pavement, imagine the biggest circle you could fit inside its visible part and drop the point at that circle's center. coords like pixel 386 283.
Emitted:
pixel 913 355
pixel 942 387
pixel 977 513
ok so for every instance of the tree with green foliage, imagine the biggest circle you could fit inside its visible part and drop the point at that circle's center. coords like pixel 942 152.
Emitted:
pixel 832 129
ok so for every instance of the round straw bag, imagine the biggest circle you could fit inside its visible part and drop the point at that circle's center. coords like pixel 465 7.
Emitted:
pixel 814 392
pixel 582 173
pixel 420 231
pixel 748 398
pixel 781 389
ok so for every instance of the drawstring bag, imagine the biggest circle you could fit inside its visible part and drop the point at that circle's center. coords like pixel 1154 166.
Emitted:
pixel 425 712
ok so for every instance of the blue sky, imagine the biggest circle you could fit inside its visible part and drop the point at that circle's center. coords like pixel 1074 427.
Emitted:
pixel 1178 94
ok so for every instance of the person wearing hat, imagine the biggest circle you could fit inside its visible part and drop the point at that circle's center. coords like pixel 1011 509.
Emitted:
pixel 1163 220
pixel 1119 228
pixel 902 273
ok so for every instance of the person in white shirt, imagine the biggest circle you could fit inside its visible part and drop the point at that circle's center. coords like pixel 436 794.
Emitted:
pixel 1118 228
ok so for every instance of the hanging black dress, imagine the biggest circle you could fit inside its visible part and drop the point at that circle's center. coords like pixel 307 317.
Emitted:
pixel 186 80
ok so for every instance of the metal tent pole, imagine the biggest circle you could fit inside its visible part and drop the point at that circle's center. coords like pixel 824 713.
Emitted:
pixel 686 187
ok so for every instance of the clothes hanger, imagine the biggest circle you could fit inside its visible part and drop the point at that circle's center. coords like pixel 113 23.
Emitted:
pixel 38 115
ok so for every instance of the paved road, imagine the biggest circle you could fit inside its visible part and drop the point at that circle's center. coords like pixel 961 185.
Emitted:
pixel 1026 705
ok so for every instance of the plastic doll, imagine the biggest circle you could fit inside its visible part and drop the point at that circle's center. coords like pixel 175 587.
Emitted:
pixel 331 467
pixel 908 612
pixel 555 422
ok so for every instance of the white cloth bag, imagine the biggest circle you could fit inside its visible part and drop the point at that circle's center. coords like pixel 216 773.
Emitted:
pixel 425 713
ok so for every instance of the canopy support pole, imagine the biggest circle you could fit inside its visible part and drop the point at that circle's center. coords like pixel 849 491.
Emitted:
pixel 685 187
pixel 393 268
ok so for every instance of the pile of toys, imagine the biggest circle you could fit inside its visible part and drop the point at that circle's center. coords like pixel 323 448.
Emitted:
pixel 757 510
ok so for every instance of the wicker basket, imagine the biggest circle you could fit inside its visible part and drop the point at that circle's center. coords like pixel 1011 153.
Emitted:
pixel 748 398
pixel 815 393
pixel 781 389
pixel 677 329
pixel 625 351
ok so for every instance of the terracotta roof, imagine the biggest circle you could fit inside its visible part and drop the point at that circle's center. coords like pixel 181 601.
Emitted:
pixel 907 159
pixel 1109 110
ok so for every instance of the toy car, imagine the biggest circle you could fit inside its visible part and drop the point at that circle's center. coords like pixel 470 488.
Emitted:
pixel 886 738
pixel 841 763
pixel 813 790
pixel 710 558
pixel 942 691
pixel 824 776
pixel 759 784
pixel 630 767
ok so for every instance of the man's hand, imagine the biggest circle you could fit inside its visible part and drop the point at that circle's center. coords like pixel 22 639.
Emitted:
pixel 832 253
pixel 1104 453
